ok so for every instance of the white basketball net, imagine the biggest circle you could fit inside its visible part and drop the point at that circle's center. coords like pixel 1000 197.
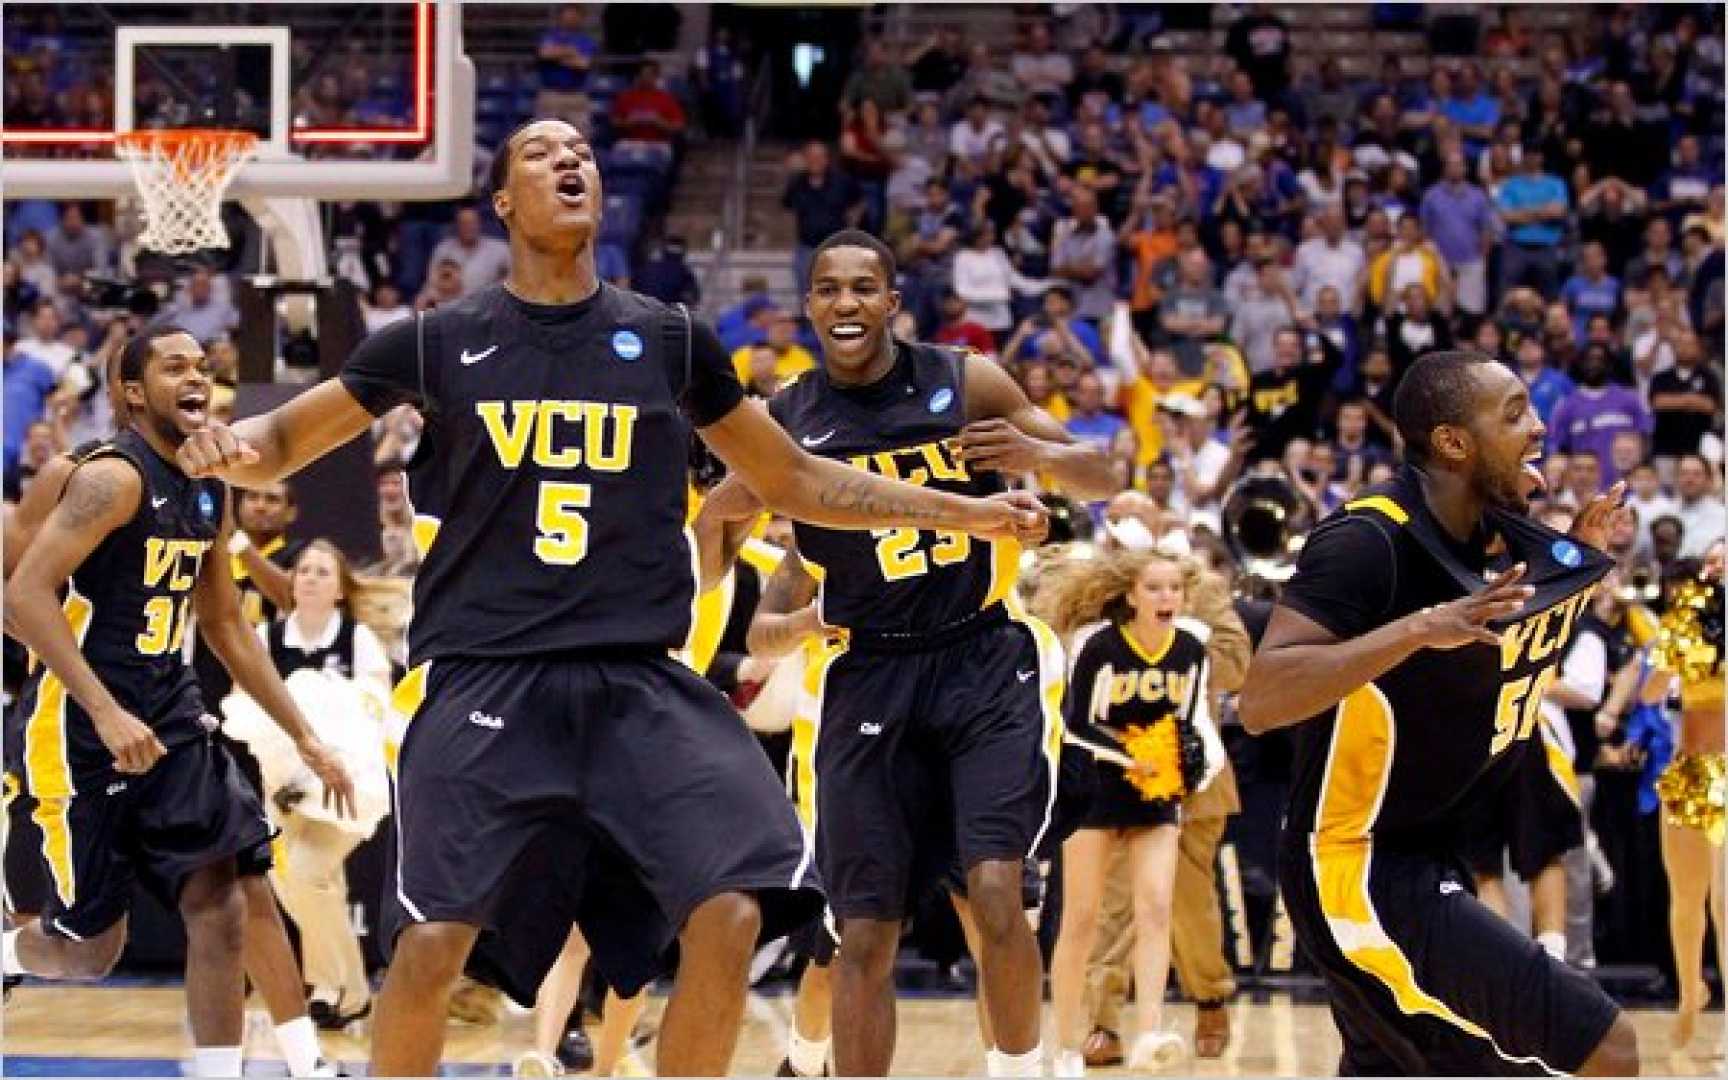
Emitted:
pixel 181 176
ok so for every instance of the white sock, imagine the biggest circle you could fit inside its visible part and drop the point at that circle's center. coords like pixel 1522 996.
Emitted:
pixel 1031 1063
pixel 1068 1063
pixel 9 948
pixel 1554 941
pixel 808 1057
pixel 215 1061
pixel 298 1041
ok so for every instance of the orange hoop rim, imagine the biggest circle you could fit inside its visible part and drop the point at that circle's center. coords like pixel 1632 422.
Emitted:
pixel 184 138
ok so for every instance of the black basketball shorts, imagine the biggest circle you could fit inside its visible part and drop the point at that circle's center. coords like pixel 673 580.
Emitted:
pixel 98 831
pixel 616 791
pixel 931 760
pixel 1531 819
pixel 1424 980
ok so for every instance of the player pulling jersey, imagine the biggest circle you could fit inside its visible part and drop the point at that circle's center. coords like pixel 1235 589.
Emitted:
pixel 1370 866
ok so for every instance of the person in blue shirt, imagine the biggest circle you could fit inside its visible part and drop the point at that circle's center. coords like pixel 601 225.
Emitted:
pixel 28 385
pixel 1471 109
pixel 566 52
pixel 1089 422
pixel 1591 291
pixel 1547 385
pixel 1532 203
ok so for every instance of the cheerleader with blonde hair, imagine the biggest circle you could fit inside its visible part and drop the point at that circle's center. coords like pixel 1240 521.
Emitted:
pixel 1693 787
pixel 1137 703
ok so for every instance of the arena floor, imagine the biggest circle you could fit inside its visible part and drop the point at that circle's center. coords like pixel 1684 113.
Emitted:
pixel 137 1030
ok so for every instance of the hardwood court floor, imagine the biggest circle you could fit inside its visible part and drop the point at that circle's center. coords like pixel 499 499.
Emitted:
pixel 129 1030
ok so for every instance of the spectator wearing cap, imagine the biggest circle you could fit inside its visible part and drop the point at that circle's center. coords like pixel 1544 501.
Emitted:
pixel 1083 252
pixel 1533 204
pixel 1590 291
pixel 957 327
pixel 1192 312
pixel 823 201
pixel 790 358
pixel 1456 214
pixel 1686 400
pixel 1040 67
pixel 484 260
pixel 878 79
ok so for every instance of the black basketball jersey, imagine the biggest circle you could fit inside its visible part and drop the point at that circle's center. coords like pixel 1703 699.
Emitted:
pixel 337 658
pixel 1394 759
pixel 549 484
pixel 897 581
pixel 1123 689
pixel 127 604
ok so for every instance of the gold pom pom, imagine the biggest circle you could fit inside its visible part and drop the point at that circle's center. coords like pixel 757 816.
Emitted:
pixel 1682 646
pixel 1694 791
pixel 1155 746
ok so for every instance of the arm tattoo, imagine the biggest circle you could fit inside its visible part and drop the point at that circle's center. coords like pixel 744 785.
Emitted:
pixel 868 497
pixel 90 496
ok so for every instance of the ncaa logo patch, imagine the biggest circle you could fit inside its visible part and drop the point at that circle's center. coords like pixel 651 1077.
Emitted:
pixel 206 506
pixel 1566 553
pixel 626 345
pixel 941 399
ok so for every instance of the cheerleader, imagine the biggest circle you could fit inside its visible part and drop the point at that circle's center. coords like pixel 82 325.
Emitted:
pixel 1689 651
pixel 320 633
pixel 1137 702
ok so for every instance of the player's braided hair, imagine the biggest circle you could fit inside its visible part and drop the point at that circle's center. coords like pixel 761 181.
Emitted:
pixel 1435 391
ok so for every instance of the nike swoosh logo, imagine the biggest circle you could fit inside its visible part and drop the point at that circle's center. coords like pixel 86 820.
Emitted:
pixel 1025 676
pixel 816 440
pixel 475 358
pixel 159 503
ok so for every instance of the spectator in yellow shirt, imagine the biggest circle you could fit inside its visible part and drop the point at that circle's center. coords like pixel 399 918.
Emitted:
pixel 790 358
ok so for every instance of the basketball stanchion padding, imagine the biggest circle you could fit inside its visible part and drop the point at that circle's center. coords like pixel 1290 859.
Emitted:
pixel 181 176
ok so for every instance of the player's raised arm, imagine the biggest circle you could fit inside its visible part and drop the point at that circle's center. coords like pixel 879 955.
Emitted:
pixel 100 497
pixel 1009 434
pixel 236 644
pixel 823 492
pixel 278 443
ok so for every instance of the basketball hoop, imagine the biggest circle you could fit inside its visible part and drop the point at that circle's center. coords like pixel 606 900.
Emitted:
pixel 181 176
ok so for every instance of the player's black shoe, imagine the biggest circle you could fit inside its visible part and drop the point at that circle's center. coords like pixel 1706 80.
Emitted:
pixel 575 1051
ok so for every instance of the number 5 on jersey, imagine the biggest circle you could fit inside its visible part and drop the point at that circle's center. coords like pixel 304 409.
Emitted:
pixel 563 539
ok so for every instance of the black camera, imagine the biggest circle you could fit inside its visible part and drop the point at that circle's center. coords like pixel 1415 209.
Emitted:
pixel 119 297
